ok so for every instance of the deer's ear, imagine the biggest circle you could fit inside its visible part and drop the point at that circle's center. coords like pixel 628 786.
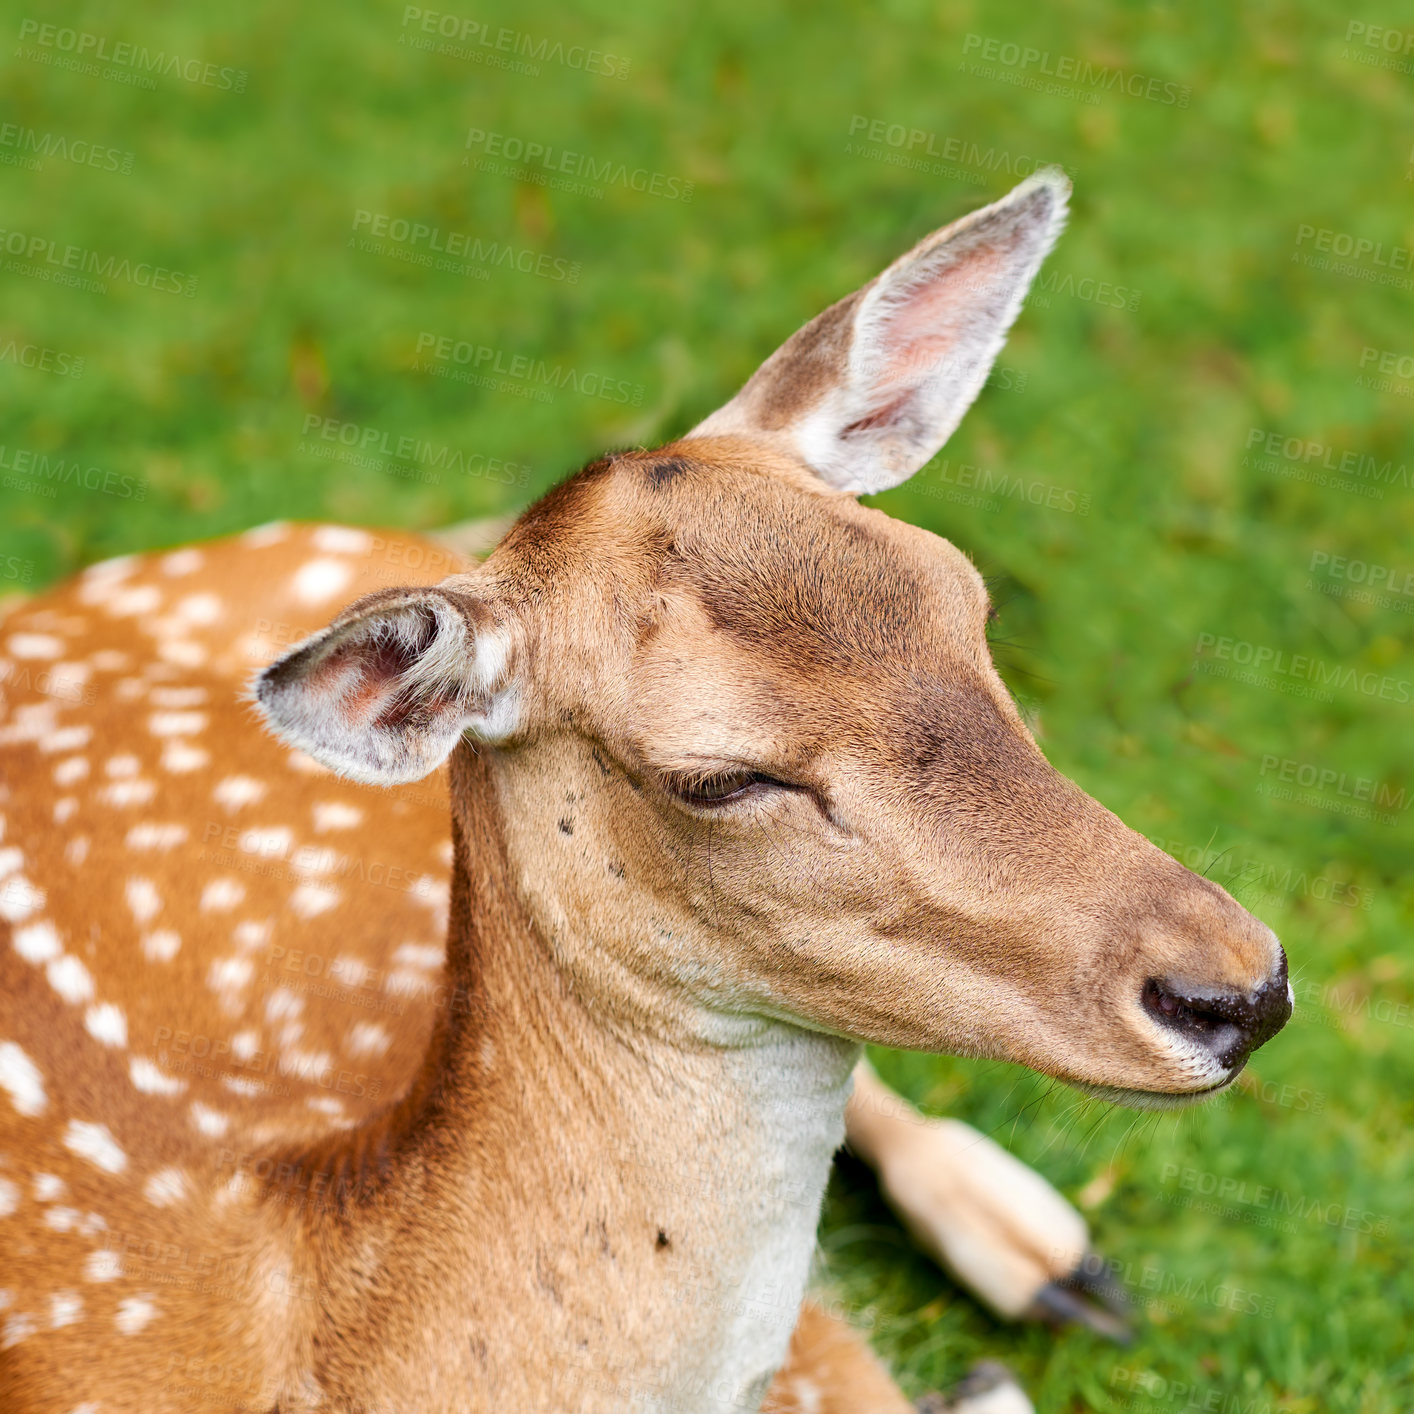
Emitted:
pixel 383 693
pixel 867 392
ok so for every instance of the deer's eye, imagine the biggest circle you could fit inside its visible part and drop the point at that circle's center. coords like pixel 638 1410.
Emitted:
pixel 719 787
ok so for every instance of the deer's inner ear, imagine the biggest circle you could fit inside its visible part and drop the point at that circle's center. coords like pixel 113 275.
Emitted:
pixel 867 392
pixel 383 694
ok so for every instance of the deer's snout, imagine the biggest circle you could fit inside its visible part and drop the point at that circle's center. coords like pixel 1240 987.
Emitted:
pixel 1230 1025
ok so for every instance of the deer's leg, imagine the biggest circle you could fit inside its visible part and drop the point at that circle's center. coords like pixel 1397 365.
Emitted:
pixel 983 1215
pixel 831 1370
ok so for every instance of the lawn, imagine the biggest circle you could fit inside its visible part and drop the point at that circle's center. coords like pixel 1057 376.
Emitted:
pixel 315 277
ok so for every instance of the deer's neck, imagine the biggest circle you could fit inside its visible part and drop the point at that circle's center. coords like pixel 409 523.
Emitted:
pixel 587 1211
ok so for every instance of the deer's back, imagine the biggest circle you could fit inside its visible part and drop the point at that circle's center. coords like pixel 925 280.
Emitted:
pixel 210 947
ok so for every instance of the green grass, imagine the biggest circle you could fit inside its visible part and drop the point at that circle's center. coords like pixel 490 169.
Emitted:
pixel 1136 406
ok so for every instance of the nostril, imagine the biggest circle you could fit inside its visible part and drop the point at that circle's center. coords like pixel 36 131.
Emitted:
pixel 1202 1019
pixel 1230 1025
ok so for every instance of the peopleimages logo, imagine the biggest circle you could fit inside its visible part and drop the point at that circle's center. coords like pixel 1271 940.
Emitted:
pixel 1226 1189
pixel 51 473
pixel 1304 459
pixel 1070 68
pixel 46 360
pixel 30 148
pixel 1213 654
pixel 1332 782
pixel 542 157
pixel 85 50
pixel 417 243
pixel 463 37
pixel 917 149
pixel 42 257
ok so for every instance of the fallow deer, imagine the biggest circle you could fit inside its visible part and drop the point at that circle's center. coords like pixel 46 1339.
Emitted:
pixel 733 787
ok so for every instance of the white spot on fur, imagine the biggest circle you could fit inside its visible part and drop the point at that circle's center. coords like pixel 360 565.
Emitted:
pixel 126 603
pixel 134 1312
pixel 66 739
pixel 251 934
pixel 181 562
pixel 73 768
pixel 123 766
pixel 240 1085
pixel 229 974
pixel 9 1197
pixel 178 696
pixel 336 815
pixel 180 757
pixel 310 900
pixel 102 1265
pixel 237 791
pixel 144 902
pixel 29 721
pixel 367 1038
pixel 419 955
pixel 20 1077
pixel 76 851
pixel 151 1079
pixel 48 1187
pixel 64 1309
pixel 95 1143
pixel 270 841
pixel 11 858
pixel 155 836
pixel 177 723
pixel 221 894
pixel 64 809
pixel 19 899
pixel 244 1044
pixel 320 580
pixel 108 572
pixel 16 1328
pixel 37 942
pixel 807 1395
pixel 271 533
pixel 342 540
pixel 165 1187
pixel 208 1120
pixel 35 645
pixel 62 1219
pixel 70 978
pixel 109 660
pixel 282 1004
pixel 107 1022
pixel 200 609
pixel 123 794
pixel 162 945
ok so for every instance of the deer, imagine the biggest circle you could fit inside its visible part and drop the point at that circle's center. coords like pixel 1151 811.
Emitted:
pixel 466 1016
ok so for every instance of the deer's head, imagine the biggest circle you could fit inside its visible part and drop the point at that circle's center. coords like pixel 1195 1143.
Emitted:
pixel 751 754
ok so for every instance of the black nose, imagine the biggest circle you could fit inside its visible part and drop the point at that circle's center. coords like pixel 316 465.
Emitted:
pixel 1230 1026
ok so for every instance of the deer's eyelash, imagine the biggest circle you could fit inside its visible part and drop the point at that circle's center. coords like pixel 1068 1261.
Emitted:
pixel 710 789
